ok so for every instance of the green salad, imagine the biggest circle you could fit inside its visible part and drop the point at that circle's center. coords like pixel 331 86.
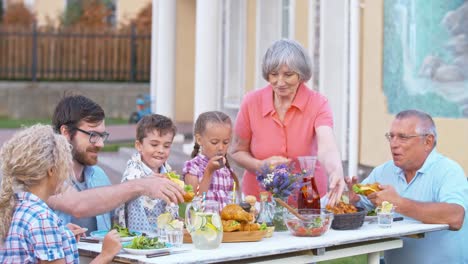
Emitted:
pixel 143 242
pixel 123 231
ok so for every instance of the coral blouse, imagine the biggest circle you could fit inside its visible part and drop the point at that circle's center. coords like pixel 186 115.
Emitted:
pixel 258 121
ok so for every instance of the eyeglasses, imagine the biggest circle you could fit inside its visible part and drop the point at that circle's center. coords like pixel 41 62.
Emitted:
pixel 402 137
pixel 94 137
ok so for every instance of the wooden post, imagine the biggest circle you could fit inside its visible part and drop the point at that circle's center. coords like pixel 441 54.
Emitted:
pixel 34 53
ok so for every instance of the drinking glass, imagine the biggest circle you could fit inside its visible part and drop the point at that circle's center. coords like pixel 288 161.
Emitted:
pixel 175 236
pixel 384 218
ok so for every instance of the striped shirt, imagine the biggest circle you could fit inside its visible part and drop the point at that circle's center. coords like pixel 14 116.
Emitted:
pixel 37 233
pixel 221 180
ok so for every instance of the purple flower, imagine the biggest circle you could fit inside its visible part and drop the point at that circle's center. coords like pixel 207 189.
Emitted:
pixel 279 180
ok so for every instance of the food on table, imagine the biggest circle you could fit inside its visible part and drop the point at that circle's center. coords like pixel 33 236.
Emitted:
pixel 371 213
pixel 246 206
pixel 123 231
pixel 318 221
pixel 366 189
pixel 164 219
pixel 249 226
pixel 231 225
pixel 189 193
pixel 235 212
pixel 143 242
pixel 386 207
pixel 342 208
pixel 252 200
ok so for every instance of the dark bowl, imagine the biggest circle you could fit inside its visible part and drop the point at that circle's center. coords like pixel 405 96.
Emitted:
pixel 349 221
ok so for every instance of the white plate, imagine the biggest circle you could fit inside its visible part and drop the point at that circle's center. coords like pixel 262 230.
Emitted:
pixel 144 251
pixel 100 234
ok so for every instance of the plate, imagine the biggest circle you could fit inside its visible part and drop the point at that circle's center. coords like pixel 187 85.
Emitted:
pixel 100 234
pixel 144 251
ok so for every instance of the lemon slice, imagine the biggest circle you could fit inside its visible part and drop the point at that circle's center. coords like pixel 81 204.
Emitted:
pixel 199 221
pixel 176 224
pixel 163 220
pixel 386 207
pixel 216 221
pixel 208 233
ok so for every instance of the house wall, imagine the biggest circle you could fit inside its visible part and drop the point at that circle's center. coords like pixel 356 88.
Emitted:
pixel 128 9
pixel 185 60
pixel 48 12
pixel 375 119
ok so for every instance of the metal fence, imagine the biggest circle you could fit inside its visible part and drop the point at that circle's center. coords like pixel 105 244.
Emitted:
pixel 74 54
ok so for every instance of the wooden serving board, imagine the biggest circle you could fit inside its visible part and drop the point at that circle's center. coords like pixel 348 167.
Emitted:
pixel 232 237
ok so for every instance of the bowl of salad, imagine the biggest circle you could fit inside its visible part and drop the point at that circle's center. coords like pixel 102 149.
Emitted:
pixel 313 222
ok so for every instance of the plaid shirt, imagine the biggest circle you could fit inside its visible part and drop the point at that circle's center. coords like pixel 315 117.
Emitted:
pixel 221 180
pixel 37 233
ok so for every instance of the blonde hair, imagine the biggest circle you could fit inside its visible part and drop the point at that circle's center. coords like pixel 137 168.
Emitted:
pixel 26 159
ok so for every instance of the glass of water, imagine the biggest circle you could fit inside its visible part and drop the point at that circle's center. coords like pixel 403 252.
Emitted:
pixel 175 236
pixel 384 218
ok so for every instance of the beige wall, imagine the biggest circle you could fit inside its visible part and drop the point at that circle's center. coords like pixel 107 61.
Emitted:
pixel 185 60
pixel 301 22
pixel 48 12
pixel 375 120
pixel 128 9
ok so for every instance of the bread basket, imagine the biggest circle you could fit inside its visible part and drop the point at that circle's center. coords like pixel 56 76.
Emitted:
pixel 349 221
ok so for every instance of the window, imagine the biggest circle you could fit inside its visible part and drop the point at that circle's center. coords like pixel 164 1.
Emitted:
pixel 233 53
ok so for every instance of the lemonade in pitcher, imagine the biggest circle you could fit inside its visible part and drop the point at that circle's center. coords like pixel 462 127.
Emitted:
pixel 204 225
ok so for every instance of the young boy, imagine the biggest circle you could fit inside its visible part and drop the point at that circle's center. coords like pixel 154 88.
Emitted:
pixel 154 136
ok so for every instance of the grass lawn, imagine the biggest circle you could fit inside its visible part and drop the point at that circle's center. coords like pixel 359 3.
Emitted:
pixel 361 259
pixel 6 122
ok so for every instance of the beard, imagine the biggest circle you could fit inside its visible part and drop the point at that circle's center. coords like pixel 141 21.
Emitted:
pixel 82 157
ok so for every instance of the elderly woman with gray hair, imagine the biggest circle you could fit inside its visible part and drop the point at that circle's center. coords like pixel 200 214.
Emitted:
pixel 285 120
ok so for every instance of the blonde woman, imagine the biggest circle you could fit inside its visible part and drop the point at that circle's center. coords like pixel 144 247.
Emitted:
pixel 36 162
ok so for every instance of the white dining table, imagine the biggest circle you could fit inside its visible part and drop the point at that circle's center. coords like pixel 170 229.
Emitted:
pixel 283 247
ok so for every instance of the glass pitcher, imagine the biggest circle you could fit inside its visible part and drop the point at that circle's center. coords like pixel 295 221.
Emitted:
pixel 309 197
pixel 204 224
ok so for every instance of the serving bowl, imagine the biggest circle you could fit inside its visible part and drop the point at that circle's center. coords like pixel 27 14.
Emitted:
pixel 349 221
pixel 314 222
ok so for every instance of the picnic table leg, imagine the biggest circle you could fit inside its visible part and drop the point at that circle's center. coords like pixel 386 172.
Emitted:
pixel 373 258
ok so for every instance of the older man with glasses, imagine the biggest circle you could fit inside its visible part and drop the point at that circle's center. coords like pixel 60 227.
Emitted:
pixel 91 198
pixel 423 185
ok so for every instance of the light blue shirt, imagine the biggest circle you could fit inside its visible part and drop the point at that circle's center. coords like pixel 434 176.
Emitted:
pixel 94 177
pixel 438 180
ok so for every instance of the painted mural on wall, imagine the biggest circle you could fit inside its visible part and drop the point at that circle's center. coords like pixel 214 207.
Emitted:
pixel 426 56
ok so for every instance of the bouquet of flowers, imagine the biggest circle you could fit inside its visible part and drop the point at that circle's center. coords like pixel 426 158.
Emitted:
pixel 280 181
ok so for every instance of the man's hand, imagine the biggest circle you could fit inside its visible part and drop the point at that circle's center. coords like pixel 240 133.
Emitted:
pixel 162 188
pixel 353 197
pixel 388 193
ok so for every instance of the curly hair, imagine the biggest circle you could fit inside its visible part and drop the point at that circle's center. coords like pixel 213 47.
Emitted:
pixel 26 159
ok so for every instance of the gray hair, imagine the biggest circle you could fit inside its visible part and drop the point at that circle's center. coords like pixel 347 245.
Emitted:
pixel 425 126
pixel 290 53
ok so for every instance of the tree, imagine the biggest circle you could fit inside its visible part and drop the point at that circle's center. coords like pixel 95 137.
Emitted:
pixel 87 13
pixel 1 10
pixel 18 14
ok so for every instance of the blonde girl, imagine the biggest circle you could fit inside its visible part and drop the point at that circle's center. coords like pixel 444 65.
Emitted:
pixel 36 163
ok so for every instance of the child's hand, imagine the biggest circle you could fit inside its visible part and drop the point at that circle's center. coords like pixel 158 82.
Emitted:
pixel 216 162
pixel 111 245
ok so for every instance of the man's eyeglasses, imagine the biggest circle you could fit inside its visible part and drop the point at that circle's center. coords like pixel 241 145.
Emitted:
pixel 402 137
pixel 94 137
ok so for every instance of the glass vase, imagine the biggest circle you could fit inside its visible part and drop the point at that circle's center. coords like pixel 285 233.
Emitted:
pixel 278 218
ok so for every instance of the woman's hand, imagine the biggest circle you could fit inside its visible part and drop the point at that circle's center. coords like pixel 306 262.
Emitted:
pixel 336 188
pixel 275 161
pixel 77 230
pixel 111 245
